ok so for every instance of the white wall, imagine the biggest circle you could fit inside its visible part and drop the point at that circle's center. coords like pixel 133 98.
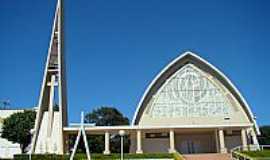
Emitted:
pixel 152 145
pixel 149 145
pixel 8 149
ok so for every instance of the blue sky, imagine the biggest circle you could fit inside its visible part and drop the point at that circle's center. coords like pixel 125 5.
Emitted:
pixel 115 48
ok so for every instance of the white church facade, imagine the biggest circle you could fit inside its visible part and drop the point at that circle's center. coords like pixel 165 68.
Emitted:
pixel 189 107
pixel 196 109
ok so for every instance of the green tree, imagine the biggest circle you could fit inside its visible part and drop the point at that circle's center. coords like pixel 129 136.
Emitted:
pixel 106 116
pixel 16 128
pixel 264 139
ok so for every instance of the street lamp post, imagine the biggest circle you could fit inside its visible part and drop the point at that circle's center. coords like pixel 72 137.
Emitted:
pixel 122 133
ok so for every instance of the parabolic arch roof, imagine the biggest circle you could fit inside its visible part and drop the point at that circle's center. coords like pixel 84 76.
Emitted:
pixel 174 66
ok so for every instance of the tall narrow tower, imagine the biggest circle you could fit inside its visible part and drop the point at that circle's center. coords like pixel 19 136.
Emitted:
pixel 48 134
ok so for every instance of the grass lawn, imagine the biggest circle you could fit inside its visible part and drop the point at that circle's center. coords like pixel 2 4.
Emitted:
pixel 258 154
pixel 102 157
pixel 132 156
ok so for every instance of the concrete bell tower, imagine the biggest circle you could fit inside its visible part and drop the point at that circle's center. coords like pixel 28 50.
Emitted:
pixel 48 136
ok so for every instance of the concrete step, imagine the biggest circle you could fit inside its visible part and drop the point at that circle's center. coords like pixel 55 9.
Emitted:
pixel 207 156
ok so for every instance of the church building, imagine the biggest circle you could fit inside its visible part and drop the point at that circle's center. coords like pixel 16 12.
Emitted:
pixel 192 107
pixel 189 107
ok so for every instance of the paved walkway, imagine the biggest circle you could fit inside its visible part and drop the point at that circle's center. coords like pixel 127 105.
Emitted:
pixel 210 156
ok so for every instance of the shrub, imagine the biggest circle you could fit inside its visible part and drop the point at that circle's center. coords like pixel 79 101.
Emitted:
pixel 93 156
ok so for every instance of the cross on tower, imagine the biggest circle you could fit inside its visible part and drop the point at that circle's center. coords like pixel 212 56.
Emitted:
pixel 49 124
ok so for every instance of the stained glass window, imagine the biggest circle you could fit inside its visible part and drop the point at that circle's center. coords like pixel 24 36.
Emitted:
pixel 190 93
